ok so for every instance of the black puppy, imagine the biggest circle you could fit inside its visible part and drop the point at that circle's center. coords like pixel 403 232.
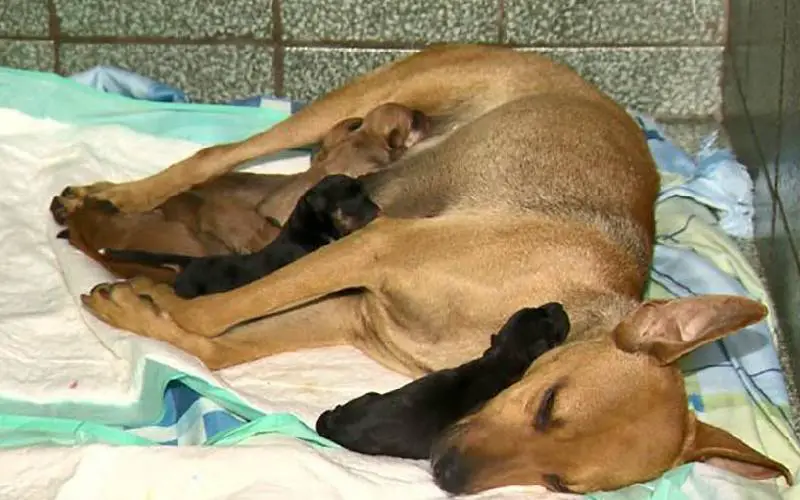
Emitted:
pixel 407 421
pixel 335 207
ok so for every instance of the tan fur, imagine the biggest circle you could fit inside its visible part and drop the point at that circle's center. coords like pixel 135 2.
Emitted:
pixel 536 188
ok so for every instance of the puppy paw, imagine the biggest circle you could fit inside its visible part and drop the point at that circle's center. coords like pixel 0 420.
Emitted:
pixel 530 332
pixel 557 324
pixel 73 197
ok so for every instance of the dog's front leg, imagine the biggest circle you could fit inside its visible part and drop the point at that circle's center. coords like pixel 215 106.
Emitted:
pixel 346 264
pixel 323 323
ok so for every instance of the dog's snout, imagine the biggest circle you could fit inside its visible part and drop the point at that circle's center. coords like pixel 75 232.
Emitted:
pixel 325 422
pixel 451 471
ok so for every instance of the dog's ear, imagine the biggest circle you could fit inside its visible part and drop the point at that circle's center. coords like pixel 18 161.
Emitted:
pixel 716 447
pixel 396 139
pixel 668 329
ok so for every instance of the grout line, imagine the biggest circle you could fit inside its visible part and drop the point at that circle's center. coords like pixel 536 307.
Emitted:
pixel 153 40
pixel 54 31
pixel 339 44
pixel 278 55
pixel 501 21
pixel 413 45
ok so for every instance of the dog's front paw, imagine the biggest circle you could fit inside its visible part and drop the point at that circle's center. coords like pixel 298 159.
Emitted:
pixel 119 305
pixel 123 306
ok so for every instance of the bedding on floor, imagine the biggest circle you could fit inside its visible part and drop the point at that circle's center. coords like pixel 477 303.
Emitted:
pixel 67 378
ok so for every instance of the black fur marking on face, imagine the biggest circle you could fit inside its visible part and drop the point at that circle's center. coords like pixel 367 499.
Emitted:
pixel 544 415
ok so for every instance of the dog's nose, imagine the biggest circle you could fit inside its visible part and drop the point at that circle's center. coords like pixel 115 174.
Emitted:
pixel 451 472
pixel 325 422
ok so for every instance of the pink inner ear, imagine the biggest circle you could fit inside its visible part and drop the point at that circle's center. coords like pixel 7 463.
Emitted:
pixel 669 329
pixel 748 470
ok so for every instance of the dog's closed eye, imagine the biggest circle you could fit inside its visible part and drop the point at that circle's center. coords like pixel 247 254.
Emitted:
pixel 544 415
pixel 355 124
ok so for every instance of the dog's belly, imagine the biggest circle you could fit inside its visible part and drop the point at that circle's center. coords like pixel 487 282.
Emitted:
pixel 440 309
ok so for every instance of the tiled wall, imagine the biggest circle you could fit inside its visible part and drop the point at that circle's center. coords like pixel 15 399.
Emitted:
pixel 663 57
pixel 762 107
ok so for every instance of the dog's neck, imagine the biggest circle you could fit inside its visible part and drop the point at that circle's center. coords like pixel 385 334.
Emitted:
pixel 598 314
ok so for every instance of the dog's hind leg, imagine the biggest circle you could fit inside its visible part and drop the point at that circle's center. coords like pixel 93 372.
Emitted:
pixel 424 81
pixel 327 322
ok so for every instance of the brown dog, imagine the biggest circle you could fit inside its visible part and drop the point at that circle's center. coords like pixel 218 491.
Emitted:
pixel 537 188
pixel 241 212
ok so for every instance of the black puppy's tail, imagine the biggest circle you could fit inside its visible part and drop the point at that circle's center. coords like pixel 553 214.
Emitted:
pixel 146 258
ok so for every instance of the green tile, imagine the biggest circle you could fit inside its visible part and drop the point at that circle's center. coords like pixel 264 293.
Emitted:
pixel 783 281
pixel 761 85
pixel 789 169
pixel 166 18
pixel 763 203
pixel 205 72
pixel 27 55
pixel 737 122
pixel 379 21
pixel 310 73
pixel 666 82
pixel 739 33
pixel 576 22
pixel 783 277
pixel 677 82
pixel 24 18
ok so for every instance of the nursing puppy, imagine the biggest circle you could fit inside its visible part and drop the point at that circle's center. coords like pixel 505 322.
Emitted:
pixel 407 422
pixel 240 213
pixel 334 208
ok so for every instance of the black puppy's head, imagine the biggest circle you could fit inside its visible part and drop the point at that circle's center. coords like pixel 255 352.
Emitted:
pixel 529 333
pixel 340 205
pixel 407 421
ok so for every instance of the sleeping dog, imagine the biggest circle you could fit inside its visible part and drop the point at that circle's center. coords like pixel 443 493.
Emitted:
pixel 534 187
pixel 407 421
pixel 332 209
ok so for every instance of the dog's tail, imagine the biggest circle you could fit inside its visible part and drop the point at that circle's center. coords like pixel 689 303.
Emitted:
pixel 147 258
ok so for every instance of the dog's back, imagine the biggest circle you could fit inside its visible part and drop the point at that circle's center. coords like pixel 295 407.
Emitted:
pixel 538 155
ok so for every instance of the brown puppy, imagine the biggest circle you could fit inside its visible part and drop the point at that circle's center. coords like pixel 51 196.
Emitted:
pixel 538 188
pixel 241 212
